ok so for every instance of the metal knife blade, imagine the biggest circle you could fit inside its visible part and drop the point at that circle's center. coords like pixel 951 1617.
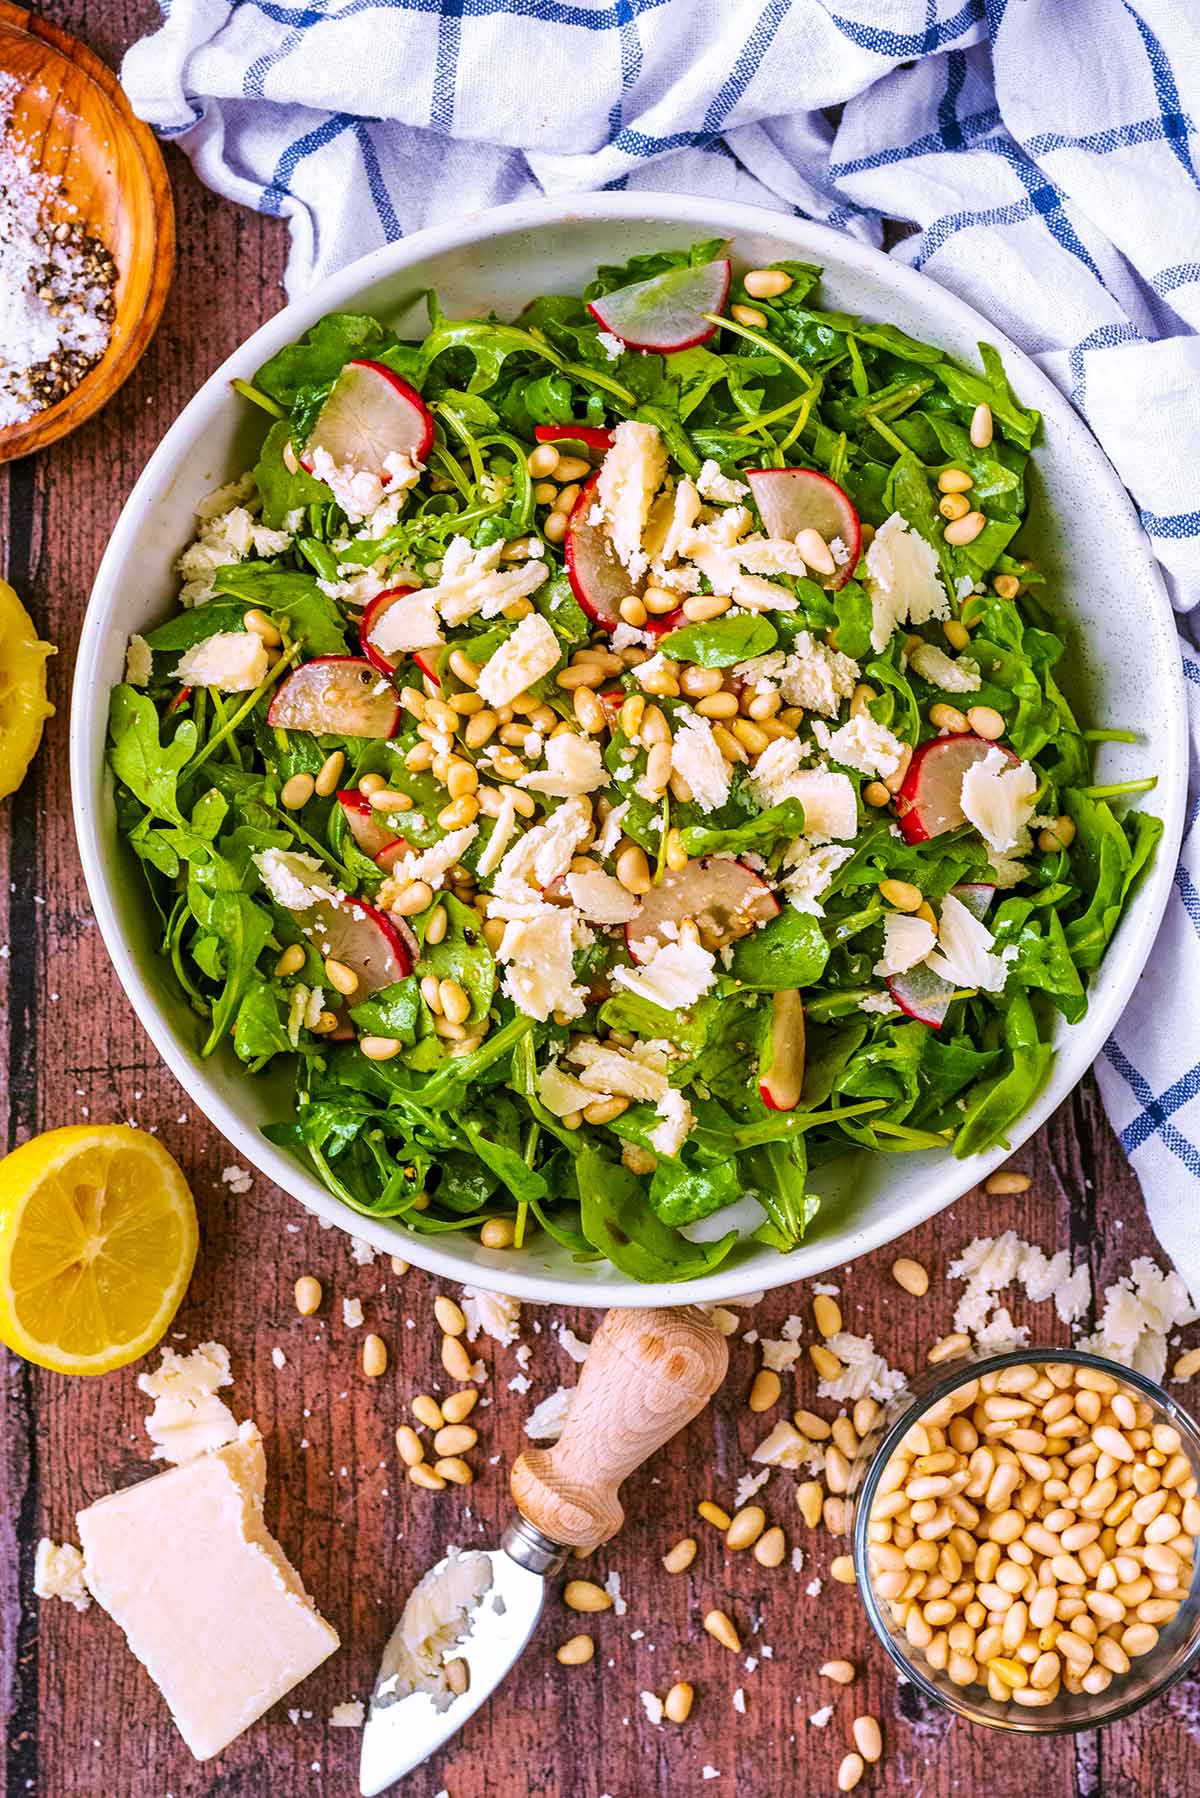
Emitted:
pixel 400 1733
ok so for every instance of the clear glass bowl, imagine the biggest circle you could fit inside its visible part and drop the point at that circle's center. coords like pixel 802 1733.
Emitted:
pixel 1149 1675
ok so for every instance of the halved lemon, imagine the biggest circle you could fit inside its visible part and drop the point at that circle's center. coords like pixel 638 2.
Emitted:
pixel 24 707
pixel 97 1244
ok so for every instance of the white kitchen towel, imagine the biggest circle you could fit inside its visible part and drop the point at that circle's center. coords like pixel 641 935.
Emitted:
pixel 1045 150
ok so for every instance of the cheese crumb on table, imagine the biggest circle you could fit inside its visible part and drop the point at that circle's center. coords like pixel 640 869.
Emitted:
pixel 497 1315
pixel 350 1715
pixel 545 1422
pixel 188 1418
pixel 352 1313
pixel 238 1179
pixel 58 1572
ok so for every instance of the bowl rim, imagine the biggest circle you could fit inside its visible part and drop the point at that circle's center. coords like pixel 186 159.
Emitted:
pixel 930 1387
pixel 500 1270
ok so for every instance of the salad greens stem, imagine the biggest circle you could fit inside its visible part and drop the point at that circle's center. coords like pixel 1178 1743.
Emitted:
pixel 766 344
pixel 258 398
pixel 1110 736
pixel 238 718
pixel 1120 787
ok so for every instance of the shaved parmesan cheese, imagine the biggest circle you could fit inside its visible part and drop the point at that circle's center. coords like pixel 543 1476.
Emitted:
pixel 631 474
pixel 676 976
pixel 431 865
pixel 407 624
pixel 573 765
pixel 817 677
pixel 497 843
pixel 538 953
pixel 677 1117
pixel 997 798
pixel 495 1313
pixel 532 651
pixel 472 581
pixel 828 798
pixel 906 941
pixel 811 873
pixel 601 898
pixel 286 874
pixel 611 1071
pixel 963 954
pixel 232 661
pixel 544 853
pixel 188 1418
pixel 904 579
pixel 547 1421
pixel 718 488
pixel 139 659
pixel 865 1373
pixel 560 1092
pixel 942 671
pixel 697 759
pixel 863 745
pixel 438 1614
pixel 58 1573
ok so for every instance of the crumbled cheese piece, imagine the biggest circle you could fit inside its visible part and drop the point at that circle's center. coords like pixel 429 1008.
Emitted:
pixel 350 1715
pixel 362 1252
pixel 497 1315
pixel 630 475
pixel 1140 1311
pixel 904 579
pixel 439 1613
pixel 990 1264
pixel 862 744
pixel 821 1718
pixel 997 798
pixel 612 1585
pixel 560 1093
pixel 58 1573
pixel 610 830
pixel 652 1704
pixel 430 865
pixel 710 1772
pixel 239 1180
pixel 906 941
pixel 232 661
pixel 784 1447
pixel 739 1701
pixel 748 1485
pixel 816 677
pixel 229 534
pixel 881 1004
pixel 718 488
pixel 531 652
pixel 538 952
pixel 601 898
pixel 139 661
pixel 408 623
pixel 188 1418
pixel 963 955
pixel 867 1374
pixel 472 582
pixel 677 1117
pixel 352 1313
pixel 573 765
pixel 830 806
pixel 494 849
pixel 542 854
pixel 283 872
pixel 943 672
pixel 696 758
pixel 361 491
pixel 611 344
pixel 278 1358
pixel 611 1071
pixel 571 1344
pixel 546 1421
pixel 810 874
pixel 779 1355
pixel 675 977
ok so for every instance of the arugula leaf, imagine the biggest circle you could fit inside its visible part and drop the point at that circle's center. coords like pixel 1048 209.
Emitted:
pixel 681 1194
pixel 319 357
pixel 615 1219
pixel 646 266
pixel 149 767
pixel 778 1177
pixel 392 1011
pixel 721 642
pixel 992 388
pixel 313 619
pixel 282 491
pixel 790 951
pixel 189 628
pixel 778 823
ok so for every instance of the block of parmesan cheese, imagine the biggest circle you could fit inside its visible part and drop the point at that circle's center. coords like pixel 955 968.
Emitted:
pixel 208 1600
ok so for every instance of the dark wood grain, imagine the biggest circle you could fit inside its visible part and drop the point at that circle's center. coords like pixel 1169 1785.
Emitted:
pixel 81 1717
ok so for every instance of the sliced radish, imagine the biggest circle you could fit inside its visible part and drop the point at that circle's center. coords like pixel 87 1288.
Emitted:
pixel 381 603
pixel 596 437
pixel 667 312
pixel 370 415
pixel 181 698
pixel 598 580
pixel 924 995
pixel 343 696
pixel 422 658
pixel 724 898
pixel 658 624
pixel 362 939
pixel 930 800
pixel 781 1072
pixel 791 500
pixel 612 699
pixel 372 837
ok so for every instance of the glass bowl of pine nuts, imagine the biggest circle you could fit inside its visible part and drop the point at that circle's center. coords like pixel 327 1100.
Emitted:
pixel 1024 1531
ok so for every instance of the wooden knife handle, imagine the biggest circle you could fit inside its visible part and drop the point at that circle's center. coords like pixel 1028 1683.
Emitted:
pixel 647 1374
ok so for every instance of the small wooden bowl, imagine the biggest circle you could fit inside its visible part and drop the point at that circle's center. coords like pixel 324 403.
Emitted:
pixel 72 115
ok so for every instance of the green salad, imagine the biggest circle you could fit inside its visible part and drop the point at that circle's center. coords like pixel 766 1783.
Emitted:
pixel 614 762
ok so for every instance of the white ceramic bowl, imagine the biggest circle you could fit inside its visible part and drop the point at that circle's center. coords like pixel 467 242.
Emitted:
pixel 1125 669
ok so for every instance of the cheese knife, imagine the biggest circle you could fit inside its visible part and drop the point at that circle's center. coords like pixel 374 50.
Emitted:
pixel 647 1374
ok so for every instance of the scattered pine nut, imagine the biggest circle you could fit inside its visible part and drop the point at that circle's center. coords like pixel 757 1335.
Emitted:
pixel 749 315
pixel 767 283
pixel 827 1314
pixel 981 425
pixel 296 792
pixel 374 1356
pixel 576 1652
pixel 901 894
pixel 1007 586
pixel 868 1737
pixel 330 773
pixel 954 480
pixel 948 1347
pixel 458 1405
pixel 380 1048
pixel 498 1233
pixel 850 1772
pixel 771 1547
pixel 454 1469
pixel 1002 1181
pixel 721 1629
pixel 810 1425
pixel 455 1439
pixel 679 1558
pixel 1187 1365
pixel 713 1514
pixel 455 1358
pixel 766 1390
pixel 426 1410
pixel 677 1705
pixel 911 1276
pixel 825 1361
pixel 842 1672
pixel 426 1476
pixel 965 530
pixel 746 1527
pixel 410 1446
pixel 809 1499
pixel 308 1295
pixel 292 959
pixel 841 1568
pixel 586 1595
pixel 457 1675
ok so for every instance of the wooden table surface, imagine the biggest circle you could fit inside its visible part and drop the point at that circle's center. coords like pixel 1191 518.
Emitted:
pixel 82 1719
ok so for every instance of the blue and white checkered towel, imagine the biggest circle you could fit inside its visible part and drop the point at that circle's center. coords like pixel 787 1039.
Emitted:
pixel 1047 151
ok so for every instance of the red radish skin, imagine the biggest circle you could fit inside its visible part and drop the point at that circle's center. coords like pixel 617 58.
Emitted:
pixel 791 500
pixel 725 899
pixel 593 436
pixel 337 696
pixel 667 312
pixel 362 939
pixel 598 580
pixel 373 838
pixel 929 800
pixel 381 603
pixel 658 624
pixel 421 658
pixel 371 414
pixel 180 700
pixel 920 993
pixel 781 1081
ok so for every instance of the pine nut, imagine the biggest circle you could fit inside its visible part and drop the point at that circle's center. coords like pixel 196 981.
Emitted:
pixel 456 1006
pixel 749 315
pixel 680 1558
pixel 962 531
pixel 454 1469
pixel 771 1547
pixel 424 1475
pixel 841 1672
pixel 986 722
pixel 633 870
pixel 586 1595
pixel 455 1358
pixel 455 1439
pixel 374 1356
pixel 1004 1182
pixel 850 1772
pixel 766 1390
pixel 308 1295
pixel 827 1315
pixel 296 792
pixel 956 633
pixel 721 1629
pixel 841 1568
pixel 981 425
pixel 868 1737
pixel 718 705
pixel 767 283
pixel 1006 586
pixel 948 718
pixel 543 462
pixel 901 894
pixel 1187 1365
pixel 911 1276
pixel 412 1449
pixel 343 979
pixel 576 1652
pixel 954 480
pixel 746 1527
pixel 875 793
pixel 825 1361
pixel 451 1318
pixel 808 1502
pixel 259 625
pixel 954 505
pixel 677 1705
pixel 415 898
pixel 713 1514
